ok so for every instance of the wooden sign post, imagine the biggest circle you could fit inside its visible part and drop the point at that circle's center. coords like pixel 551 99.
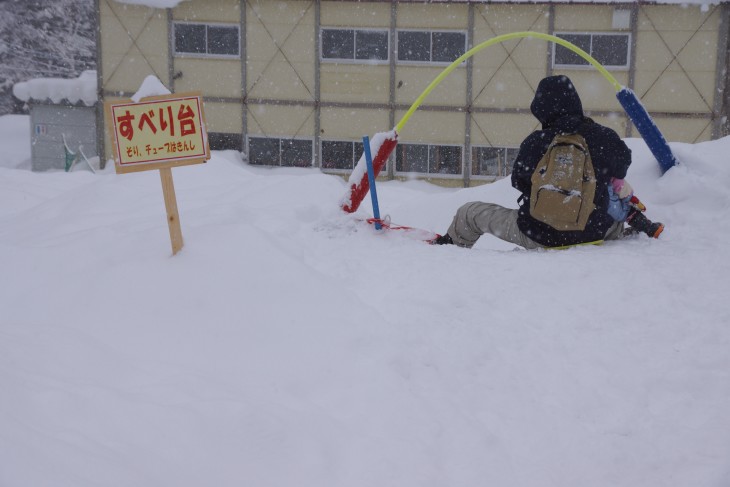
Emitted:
pixel 173 218
pixel 159 133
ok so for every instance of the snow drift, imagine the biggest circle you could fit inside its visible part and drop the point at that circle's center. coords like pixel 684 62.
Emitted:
pixel 289 344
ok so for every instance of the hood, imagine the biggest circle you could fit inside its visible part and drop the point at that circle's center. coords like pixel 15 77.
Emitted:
pixel 555 97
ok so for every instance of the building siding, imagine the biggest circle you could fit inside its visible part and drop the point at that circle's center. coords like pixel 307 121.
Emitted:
pixel 290 92
pixel 50 124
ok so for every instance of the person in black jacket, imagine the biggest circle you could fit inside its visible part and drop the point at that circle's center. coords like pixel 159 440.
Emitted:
pixel 558 108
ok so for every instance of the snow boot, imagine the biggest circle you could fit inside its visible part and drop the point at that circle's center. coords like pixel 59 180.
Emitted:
pixel 444 239
pixel 639 222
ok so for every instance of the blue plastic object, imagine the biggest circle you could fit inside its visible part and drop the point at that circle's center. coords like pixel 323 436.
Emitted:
pixel 647 128
pixel 371 180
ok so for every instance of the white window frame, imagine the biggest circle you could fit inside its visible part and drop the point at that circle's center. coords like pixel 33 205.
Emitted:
pixel 459 175
pixel 279 139
pixel 205 54
pixel 610 67
pixel 353 60
pixel 502 164
pixel 430 32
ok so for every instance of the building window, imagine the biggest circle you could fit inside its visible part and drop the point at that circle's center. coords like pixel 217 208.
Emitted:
pixel 609 49
pixel 338 154
pixel 355 45
pixel 430 47
pixel 428 159
pixel 268 151
pixel 494 162
pixel 224 141
pixel 217 40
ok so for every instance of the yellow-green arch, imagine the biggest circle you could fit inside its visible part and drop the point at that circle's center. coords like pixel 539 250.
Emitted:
pixel 496 40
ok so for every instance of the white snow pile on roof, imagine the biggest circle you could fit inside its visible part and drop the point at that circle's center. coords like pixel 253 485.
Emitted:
pixel 703 3
pixel 81 89
pixel 153 3
pixel 151 86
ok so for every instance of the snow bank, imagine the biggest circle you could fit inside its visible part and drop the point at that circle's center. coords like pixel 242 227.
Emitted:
pixel 290 344
pixel 81 89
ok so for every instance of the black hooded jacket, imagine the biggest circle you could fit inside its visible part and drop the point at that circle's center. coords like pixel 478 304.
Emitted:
pixel 558 108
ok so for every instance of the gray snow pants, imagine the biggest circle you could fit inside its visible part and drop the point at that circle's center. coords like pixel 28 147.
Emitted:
pixel 474 219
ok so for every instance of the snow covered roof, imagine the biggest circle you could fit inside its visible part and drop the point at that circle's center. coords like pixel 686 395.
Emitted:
pixel 704 3
pixel 81 89
pixel 671 2
pixel 153 3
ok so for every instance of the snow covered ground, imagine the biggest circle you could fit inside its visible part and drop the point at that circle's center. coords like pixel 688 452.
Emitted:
pixel 289 345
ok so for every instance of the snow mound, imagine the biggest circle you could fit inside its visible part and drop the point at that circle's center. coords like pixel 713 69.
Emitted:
pixel 81 89
pixel 289 343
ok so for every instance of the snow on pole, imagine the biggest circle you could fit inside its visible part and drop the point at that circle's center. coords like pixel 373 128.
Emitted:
pixel 382 144
pixel 647 128
pixel 371 181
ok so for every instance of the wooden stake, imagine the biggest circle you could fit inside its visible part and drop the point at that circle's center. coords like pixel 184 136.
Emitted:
pixel 173 218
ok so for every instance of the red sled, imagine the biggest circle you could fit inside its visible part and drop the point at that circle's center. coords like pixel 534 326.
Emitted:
pixel 410 232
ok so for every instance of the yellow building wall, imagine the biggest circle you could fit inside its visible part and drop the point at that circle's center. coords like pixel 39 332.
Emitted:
pixel 433 127
pixel 228 11
pixel 280 50
pixel 280 120
pixel 214 77
pixel 495 19
pixel 224 117
pixel 506 74
pixel 134 44
pixel 352 123
pixel 583 18
pixel 354 83
pixel 108 142
pixel 453 16
pixel 596 92
pixel 413 78
pixel 501 129
pixel 219 77
pixel 676 64
pixel 687 130
pixel 505 85
pixel 355 14
pixel 281 62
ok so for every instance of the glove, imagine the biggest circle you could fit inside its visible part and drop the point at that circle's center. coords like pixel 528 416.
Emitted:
pixel 636 203
pixel 622 188
pixel 618 208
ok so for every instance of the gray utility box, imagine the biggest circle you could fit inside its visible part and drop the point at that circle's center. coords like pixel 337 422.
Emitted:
pixel 50 124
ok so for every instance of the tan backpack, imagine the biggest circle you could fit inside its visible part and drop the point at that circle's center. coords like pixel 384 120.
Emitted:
pixel 564 184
